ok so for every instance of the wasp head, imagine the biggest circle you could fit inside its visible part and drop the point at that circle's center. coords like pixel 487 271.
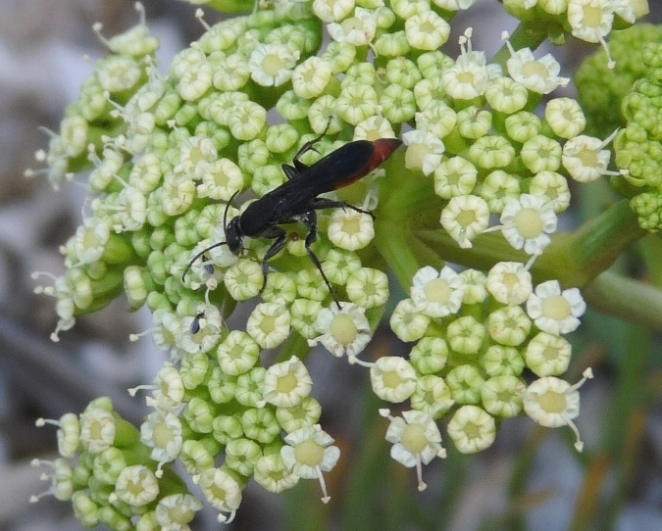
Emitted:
pixel 234 236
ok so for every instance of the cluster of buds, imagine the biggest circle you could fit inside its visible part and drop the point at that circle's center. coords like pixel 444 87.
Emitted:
pixel 639 145
pixel 169 153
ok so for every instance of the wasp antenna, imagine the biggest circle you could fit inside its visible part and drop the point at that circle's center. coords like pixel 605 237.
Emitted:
pixel 201 253
pixel 225 213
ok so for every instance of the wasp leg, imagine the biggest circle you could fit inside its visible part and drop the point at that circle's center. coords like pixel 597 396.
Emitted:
pixel 323 204
pixel 300 166
pixel 291 171
pixel 280 236
pixel 310 220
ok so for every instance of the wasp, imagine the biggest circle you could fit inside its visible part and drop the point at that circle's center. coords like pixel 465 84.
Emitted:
pixel 296 200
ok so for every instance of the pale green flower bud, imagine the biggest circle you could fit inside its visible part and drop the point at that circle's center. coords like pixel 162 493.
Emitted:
pixel 226 428
pixel 260 425
pixel 541 153
pixel 249 387
pixel 474 123
pixel 509 326
pixel 368 287
pixel 241 456
pixel 455 176
pixel 489 152
pixel 432 396
pixel 465 383
pixel 244 279
pixel 304 316
pixel 523 126
pixel 429 355
pixel 506 95
pixel 305 413
pixel 392 44
pixel 472 429
pixel 502 396
pixel 499 360
pixel 398 104
pixel 466 335
pixel 498 188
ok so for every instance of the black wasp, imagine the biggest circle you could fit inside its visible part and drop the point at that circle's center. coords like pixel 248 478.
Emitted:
pixel 296 200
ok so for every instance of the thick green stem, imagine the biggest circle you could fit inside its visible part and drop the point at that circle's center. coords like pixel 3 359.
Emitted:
pixel 627 299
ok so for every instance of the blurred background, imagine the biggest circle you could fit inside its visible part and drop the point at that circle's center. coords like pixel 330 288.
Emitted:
pixel 529 479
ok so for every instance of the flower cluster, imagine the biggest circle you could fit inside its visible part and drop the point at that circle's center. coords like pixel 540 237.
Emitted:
pixel 169 153
pixel 473 342
pixel 639 145
pixel 601 90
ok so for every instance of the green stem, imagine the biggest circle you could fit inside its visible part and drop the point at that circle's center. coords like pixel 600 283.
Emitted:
pixel 626 299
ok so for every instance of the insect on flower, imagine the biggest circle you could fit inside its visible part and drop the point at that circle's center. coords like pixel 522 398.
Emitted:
pixel 296 200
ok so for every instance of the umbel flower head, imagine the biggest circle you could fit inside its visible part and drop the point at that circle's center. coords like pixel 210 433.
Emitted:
pixel 248 110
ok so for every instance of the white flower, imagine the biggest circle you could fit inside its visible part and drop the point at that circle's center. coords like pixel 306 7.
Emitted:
pixel 590 20
pixel 509 283
pixel 555 311
pixel 162 432
pixel 269 324
pixel 424 151
pixel 97 429
pixel 393 379
pixel 437 293
pixel 202 332
pixel 358 30
pixel 585 159
pixel 468 78
pixel 553 403
pixel 222 491
pixel 537 75
pixel 271 65
pixel 526 223
pixel 464 218
pixel 344 331
pixel 416 440
pixel 91 239
pixel 308 453
pixel 286 384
